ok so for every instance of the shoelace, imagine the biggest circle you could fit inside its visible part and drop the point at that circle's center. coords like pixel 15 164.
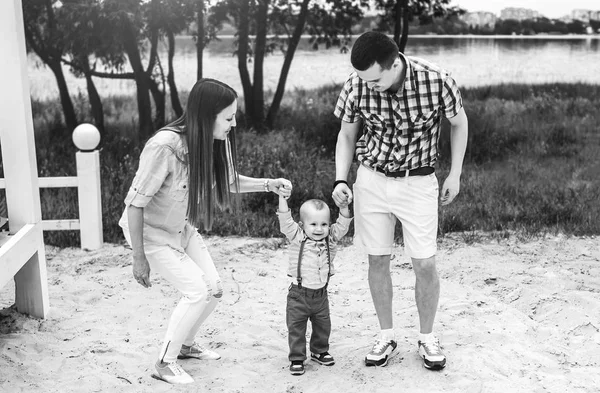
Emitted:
pixel 175 368
pixel 432 347
pixel 379 345
pixel 194 348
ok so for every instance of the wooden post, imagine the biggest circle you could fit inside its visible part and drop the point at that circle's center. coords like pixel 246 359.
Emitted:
pixel 20 165
pixel 89 198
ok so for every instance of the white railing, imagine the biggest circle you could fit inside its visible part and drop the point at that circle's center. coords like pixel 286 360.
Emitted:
pixel 86 137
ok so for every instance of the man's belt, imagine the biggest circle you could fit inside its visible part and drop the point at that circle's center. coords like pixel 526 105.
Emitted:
pixel 423 171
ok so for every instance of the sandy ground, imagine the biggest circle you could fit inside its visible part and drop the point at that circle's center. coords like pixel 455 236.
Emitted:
pixel 513 317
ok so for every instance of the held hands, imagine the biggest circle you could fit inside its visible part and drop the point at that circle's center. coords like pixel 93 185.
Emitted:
pixel 450 189
pixel 342 195
pixel 141 270
pixel 281 187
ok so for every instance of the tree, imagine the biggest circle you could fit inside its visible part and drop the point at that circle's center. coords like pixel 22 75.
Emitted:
pixel 45 34
pixel 286 20
pixel 397 14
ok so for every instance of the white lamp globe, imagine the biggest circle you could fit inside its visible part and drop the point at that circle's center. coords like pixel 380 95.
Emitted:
pixel 86 137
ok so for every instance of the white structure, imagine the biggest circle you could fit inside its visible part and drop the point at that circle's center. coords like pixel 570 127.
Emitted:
pixel 86 137
pixel 22 253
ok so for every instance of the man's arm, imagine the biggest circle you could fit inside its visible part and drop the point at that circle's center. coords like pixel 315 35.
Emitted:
pixel 344 154
pixel 459 132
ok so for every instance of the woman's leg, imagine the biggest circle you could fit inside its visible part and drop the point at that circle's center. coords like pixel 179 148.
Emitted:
pixel 185 275
pixel 198 252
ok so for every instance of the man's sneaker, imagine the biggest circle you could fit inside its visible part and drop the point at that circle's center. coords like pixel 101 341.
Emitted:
pixel 197 352
pixel 297 367
pixel 173 373
pixel 380 354
pixel 323 358
pixel 432 355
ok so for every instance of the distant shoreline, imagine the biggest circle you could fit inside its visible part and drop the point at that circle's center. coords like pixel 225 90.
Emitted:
pixel 499 36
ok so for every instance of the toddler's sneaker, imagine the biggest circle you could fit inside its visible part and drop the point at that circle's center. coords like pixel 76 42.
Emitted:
pixel 297 367
pixel 172 373
pixel 380 354
pixel 323 358
pixel 197 352
pixel 432 355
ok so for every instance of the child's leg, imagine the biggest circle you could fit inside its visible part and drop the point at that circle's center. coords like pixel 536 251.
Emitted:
pixel 321 325
pixel 296 320
pixel 198 252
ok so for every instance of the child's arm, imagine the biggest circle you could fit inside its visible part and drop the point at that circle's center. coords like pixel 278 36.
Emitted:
pixel 287 225
pixel 339 229
pixel 283 205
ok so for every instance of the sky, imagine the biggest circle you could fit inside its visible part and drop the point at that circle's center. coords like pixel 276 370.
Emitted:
pixel 548 8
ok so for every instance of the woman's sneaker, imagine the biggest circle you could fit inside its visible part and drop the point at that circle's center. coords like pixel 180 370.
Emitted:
pixel 323 358
pixel 432 355
pixel 172 373
pixel 380 354
pixel 297 367
pixel 197 352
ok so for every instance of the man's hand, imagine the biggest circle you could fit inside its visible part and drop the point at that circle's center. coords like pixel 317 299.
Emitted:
pixel 450 189
pixel 342 195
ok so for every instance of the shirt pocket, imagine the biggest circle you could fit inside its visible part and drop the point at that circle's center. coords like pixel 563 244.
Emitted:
pixel 374 123
pixel 421 121
pixel 179 190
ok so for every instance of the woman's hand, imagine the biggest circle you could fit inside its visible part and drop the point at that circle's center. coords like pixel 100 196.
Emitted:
pixel 141 270
pixel 282 187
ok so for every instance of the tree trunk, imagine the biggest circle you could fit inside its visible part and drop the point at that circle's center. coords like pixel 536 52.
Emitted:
pixel 95 102
pixel 287 63
pixel 401 25
pixel 175 103
pixel 200 40
pixel 258 98
pixel 146 128
pixel 243 31
pixel 159 103
pixel 65 98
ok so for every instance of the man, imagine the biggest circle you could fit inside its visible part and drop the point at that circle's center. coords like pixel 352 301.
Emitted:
pixel 390 109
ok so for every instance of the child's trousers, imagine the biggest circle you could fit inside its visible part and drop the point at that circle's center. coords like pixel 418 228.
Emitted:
pixel 304 304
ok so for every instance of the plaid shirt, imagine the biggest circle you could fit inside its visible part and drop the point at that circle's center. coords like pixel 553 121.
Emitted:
pixel 400 130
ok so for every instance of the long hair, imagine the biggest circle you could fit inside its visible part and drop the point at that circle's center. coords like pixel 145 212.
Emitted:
pixel 373 47
pixel 209 161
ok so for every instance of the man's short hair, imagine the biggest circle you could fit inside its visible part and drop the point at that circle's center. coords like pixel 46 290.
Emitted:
pixel 373 47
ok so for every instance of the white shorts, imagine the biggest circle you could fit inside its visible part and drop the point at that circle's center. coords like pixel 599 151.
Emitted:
pixel 380 200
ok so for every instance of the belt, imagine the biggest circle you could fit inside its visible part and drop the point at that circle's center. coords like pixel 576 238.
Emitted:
pixel 423 171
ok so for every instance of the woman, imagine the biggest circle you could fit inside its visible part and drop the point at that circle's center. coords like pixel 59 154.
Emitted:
pixel 185 169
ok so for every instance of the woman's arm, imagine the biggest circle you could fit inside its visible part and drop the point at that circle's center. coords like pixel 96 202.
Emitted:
pixel 279 186
pixel 141 267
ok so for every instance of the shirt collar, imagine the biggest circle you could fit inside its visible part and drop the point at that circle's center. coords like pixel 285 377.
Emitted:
pixel 409 79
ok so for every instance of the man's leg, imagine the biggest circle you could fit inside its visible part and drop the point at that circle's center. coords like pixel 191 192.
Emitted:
pixel 427 292
pixel 427 295
pixel 380 284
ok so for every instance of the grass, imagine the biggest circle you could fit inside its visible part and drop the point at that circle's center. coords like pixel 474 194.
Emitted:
pixel 531 166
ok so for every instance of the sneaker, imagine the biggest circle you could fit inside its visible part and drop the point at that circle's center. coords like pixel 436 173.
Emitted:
pixel 380 354
pixel 432 355
pixel 323 358
pixel 173 373
pixel 297 367
pixel 197 352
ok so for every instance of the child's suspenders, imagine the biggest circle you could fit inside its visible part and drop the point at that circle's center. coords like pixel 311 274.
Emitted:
pixel 299 275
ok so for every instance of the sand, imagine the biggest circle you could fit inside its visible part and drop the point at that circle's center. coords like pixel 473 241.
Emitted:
pixel 514 316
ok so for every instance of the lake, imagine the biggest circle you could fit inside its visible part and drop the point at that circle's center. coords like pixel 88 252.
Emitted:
pixel 472 60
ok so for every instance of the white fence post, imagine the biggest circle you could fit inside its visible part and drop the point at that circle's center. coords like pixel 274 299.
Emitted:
pixel 86 137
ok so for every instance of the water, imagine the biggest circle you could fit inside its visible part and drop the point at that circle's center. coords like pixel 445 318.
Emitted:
pixel 473 61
